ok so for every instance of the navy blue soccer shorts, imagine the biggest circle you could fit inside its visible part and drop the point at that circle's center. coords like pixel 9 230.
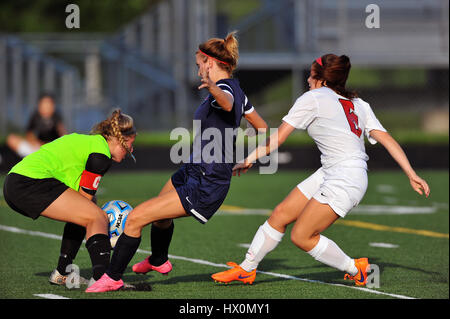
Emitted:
pixel 201 194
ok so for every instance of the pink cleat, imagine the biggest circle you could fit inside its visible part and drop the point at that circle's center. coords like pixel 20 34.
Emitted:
pixel 104 284
pixel 144 267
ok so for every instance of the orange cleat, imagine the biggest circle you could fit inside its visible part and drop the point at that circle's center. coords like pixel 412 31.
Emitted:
pixel 362 264
pixel 235 273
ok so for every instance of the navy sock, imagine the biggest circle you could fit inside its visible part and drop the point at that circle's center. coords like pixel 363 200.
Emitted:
pixel 124 251
pixel 99 248
pixel 160 241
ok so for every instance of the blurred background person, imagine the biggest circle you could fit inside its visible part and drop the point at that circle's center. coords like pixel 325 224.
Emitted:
pixel 45 125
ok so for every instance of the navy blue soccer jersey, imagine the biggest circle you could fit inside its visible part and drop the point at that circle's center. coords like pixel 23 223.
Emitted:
pixel 215 139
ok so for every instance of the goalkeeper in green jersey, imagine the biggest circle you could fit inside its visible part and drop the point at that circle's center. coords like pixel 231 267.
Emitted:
pixel 59 181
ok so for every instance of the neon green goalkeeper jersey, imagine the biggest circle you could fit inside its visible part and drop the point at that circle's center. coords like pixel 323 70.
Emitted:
pixel 63 159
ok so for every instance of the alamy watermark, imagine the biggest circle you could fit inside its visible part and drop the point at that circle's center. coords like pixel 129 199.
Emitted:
pixel 73 278
pixel 373 276
pixel 73 19
pixel 215 146
pixel 373 19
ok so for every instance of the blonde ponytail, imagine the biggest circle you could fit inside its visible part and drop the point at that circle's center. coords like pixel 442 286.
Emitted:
pixel 224 51
pixel 118 125
pixel 232 46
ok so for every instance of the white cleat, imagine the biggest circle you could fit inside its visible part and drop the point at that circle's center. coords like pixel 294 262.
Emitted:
pixel 57 279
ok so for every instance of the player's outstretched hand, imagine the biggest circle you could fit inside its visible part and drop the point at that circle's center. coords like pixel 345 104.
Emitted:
pixel 419 185
pixel 206 80
pixel 241 168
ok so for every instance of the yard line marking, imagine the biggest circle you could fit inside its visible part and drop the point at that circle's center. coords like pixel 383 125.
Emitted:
pixel 29 232
pixel 204 262
pixel 362 210
pixel 208 263
pixel 392 210
pixel 385 188
pixel 338 285
pixel 383 245
pixel 228 209
pixel 50 296
pixel 360 224
pixel 358 210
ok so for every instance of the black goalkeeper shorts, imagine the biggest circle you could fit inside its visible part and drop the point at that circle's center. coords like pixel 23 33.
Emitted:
pixel 31 196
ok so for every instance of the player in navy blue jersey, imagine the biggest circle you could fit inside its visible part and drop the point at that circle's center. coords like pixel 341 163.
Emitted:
pixel 199 187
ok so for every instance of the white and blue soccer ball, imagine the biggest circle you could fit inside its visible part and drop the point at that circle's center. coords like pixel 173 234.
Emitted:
pixel 117 212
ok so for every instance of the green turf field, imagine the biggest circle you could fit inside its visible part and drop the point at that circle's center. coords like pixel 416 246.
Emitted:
pixel 414 229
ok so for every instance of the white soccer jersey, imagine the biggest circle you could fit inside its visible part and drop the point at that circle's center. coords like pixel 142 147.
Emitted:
pixel 336 124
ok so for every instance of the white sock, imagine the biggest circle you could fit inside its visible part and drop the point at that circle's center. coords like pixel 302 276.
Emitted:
pixel 327 252
pixel 265 240
pixel 25 149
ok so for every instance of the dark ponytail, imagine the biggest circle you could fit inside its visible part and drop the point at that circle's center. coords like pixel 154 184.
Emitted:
pixel 334 70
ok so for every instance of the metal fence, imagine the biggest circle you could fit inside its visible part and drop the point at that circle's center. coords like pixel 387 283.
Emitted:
pixel 147 68
pixel 284 33
pixel 24 73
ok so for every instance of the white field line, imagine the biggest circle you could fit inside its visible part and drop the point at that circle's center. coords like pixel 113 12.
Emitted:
pixel 359 210
pixel 208 263
pixel 50 296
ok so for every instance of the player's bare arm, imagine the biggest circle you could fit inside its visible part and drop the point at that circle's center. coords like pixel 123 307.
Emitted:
pixel 272 143
pixel 397 153
pixel 257 122
pixel 88 196
pixel 223 99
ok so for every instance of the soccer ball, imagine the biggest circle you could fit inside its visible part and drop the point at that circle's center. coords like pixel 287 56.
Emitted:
pixel 117 212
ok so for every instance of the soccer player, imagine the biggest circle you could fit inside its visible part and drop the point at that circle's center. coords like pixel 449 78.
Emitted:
pixel 60 180
pixel 337 120
pixel 199 187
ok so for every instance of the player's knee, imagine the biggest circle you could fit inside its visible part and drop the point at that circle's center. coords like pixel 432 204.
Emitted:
pixel 278 218
pixel 305 239
pixel 299 238
pixel 99 218
pixel 134 222
pixel 95 219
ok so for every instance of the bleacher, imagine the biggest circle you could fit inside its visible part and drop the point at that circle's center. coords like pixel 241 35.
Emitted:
pixel 147 67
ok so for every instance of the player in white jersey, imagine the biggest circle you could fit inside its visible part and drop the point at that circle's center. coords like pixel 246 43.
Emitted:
pixel 337 120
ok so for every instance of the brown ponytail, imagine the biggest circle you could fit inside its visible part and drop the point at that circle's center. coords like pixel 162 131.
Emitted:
pixel 224 51
pixel 334 71
pixel 117 125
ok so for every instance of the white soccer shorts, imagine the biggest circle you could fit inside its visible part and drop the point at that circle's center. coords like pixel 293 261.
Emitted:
pixel 340 187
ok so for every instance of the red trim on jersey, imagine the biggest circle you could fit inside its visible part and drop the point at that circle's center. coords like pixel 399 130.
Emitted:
pixel 213 57
pixel 90 180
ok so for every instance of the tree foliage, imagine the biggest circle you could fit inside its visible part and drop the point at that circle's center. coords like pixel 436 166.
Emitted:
pixel 49 15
